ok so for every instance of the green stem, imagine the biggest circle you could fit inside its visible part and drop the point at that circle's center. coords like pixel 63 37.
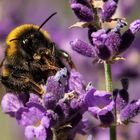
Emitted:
pixel 108 82
pixel 108 77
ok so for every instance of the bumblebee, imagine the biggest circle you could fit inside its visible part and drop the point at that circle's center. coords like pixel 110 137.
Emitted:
pixel 30 57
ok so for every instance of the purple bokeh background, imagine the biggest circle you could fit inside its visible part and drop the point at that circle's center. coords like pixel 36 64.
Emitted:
pixel 18 12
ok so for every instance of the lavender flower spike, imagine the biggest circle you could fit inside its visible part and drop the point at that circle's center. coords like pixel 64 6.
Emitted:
pixel 135 26
pixel 82 48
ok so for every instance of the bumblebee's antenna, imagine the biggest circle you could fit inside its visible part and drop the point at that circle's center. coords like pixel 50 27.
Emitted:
pixel 46 20
pixel 13 39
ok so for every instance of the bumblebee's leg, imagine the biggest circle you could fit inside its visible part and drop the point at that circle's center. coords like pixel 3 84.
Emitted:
pixel 43 67
pixel 49 66
pixel 66 59
pixel 34 86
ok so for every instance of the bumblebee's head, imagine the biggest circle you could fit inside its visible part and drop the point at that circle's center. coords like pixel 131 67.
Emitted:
pixel 29 39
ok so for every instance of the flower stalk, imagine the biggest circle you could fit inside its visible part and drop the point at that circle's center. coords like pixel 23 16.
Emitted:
pixel 108 77
pixel 108 83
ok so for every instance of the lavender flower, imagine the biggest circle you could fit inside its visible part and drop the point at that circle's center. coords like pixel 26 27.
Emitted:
pixel 135 26
pixel 34 118
pixel 107 44
pixel 125 110
pixel 61 106
pixel 100 105
pixel 130 111
pixel 11 104
pixel 108 10
pixel 82 10
pixel 82 48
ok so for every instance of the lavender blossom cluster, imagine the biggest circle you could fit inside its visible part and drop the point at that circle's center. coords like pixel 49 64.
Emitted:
pixel 105 43
pixel 61 110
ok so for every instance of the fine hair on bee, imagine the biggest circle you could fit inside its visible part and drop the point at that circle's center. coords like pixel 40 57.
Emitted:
pixel 30 58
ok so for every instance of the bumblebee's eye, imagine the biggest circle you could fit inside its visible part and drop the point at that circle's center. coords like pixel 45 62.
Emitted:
pixel 28 39
pixel 25 41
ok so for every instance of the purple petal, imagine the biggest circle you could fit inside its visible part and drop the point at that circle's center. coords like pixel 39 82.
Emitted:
pixel 45 122
pixel 49 100
pixel 76 82
pixel 106 43
pixel 130 111
pixel 99 37
pixel 29 132
pixel 34 98
pixel 36 106
pixel 24 117
pixel 98 98
pixel 83 12
pixel 94 111
pixel 83 2
pixel 112 42
pixel 109 8
pixel 18 114
pixel 10 104
pixel 122 99
pixel 31 115
pixel 135 26
pixel 79 104
pixel 106 117
pixel 82 48
pixel 103 52
pixel 89 97
pixel 40 133
pixel 55 87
